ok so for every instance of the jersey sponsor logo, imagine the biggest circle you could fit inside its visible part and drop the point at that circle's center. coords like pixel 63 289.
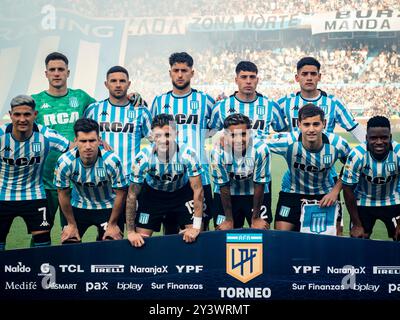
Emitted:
pixel 168 177
pixel 258 125
pixel 232 110
pixel 91 184
pixel 182 118
pixel 106 126
pixel 21 162
pixel 73 102
pixel 104 113
pixel 101 172
pixel 240 175
pixel 166 107
pixel 194 105
pixel 60 118
pixel 307 168
pixel 379 180
pixel 244 255
pixel 391 166
pixel 260 110
pixel 36 147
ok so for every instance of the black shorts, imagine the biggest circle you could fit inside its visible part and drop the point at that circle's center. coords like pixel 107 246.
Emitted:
pixel 242 207
pixel 288 208
pixel 155 206
pixel 34 213
pixel 99 218
pixel 387 214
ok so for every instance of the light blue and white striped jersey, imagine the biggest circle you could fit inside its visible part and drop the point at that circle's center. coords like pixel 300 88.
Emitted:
pixel 334 109
pixel 308 172
pixel 377 181
pixel 241 172
pixel 263 112
pixel 92 186
pixel 21 162
pixel 192 113
pixel 170 176
pixel 122 127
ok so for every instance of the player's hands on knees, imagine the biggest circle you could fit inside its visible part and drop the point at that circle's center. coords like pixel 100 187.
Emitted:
pixel 259 223
pixel 113 231
pixel 357 232
pixel 135 239
pixel 328 200
pixel 225 225
pixel 70 232
pixel 190 234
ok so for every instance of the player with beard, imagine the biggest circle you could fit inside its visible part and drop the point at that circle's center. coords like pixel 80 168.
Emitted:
pixel 122 124
pixel 192 112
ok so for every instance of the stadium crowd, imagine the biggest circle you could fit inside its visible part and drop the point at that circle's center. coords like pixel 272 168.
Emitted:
pixel 342 71
pixel 149 8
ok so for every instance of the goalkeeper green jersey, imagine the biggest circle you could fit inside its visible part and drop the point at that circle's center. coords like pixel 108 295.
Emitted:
pixel 59 113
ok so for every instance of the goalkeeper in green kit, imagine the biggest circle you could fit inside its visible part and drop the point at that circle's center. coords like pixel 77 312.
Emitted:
pixel 58 108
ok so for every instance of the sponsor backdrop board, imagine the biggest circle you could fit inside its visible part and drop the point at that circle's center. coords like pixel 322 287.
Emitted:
pixel 239 264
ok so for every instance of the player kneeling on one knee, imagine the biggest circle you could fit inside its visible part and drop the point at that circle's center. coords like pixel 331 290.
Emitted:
pixel 165 180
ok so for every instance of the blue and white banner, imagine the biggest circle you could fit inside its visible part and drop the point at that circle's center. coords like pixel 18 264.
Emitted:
pixel 91 45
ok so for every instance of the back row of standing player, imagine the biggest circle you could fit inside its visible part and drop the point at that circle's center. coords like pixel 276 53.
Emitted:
pixel 123 124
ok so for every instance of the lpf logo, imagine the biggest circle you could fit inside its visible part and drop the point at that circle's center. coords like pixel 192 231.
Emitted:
pixel 244 255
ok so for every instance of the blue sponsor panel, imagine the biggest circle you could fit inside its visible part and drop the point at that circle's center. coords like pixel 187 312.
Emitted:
pixel 239 264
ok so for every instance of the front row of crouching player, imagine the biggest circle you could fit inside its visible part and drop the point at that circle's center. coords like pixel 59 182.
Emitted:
pixel 165 181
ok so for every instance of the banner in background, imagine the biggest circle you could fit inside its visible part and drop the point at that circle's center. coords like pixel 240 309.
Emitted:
pixel 91 45
pixel 353 21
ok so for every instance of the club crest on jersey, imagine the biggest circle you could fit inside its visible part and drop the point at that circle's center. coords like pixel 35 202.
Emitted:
pixel 131 114
pixel 324 108
pixel 101 172
pixel 73 102
pixel 248 162
pixel 327 159
pixel 178 167
pixel 36 147
pixel 194 105
pixel 244 255
pixel 391 166
pixel 260 110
